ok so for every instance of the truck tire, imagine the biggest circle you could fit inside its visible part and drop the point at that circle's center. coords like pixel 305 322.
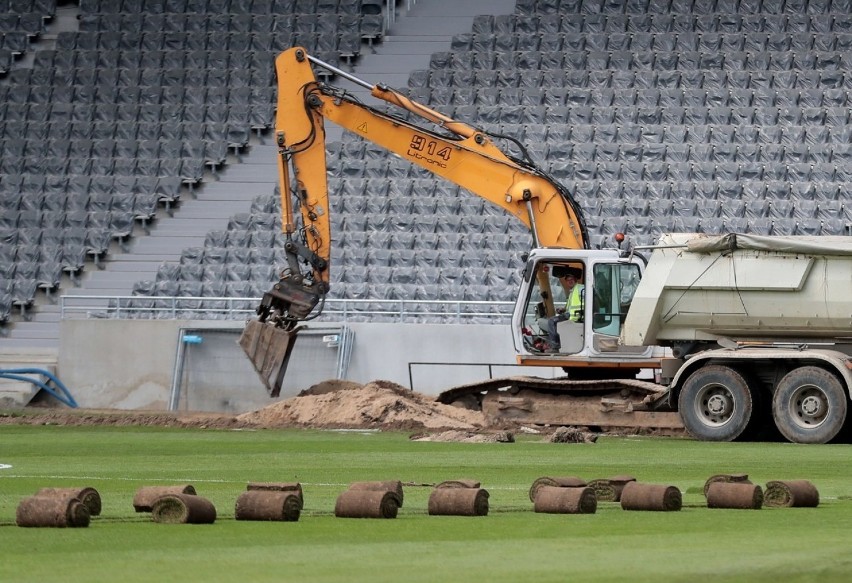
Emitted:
pixel 809 405
pixel 715 404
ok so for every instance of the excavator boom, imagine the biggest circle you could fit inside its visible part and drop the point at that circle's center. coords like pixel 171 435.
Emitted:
pixel 448 148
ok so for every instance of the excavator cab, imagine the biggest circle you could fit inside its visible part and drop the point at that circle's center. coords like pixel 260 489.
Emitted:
pixel 559 317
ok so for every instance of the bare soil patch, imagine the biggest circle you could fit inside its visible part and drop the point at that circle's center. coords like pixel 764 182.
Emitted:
pixel 333 404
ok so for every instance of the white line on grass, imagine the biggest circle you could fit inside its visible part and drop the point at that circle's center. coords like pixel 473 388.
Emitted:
pixel 5 467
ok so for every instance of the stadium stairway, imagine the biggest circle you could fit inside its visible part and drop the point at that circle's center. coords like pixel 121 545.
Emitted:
pixel 413 37
pixel 427 28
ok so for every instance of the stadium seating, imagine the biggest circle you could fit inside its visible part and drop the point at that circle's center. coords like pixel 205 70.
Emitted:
pixel 144 102
pixel 656 115
pixel 751 87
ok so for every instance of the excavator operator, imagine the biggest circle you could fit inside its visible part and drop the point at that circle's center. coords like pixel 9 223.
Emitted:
pixel 569 277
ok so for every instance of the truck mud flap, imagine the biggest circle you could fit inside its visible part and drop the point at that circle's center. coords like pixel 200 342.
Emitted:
pixel 268 349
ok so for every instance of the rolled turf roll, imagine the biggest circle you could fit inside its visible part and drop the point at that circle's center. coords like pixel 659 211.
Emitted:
pixel 90 497
pixel 609 489
pixel 458 502
pixel 367 504
pixel 268 505
pixel 183 509
pixel 394 486
pixel 145 496
pixel 658 497
pixel 618 483
pixel 734 495
pixel 291 487
pixel 460 483
pixel 734 478
pixel 561 500
pixel 52 511
pixel 556 482
pixel 791 493
pixel 604 490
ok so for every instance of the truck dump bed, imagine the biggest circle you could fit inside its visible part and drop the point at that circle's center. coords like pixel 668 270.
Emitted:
pixel 745 287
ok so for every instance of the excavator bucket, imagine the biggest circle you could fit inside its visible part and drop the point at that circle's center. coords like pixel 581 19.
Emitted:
pixel 268 347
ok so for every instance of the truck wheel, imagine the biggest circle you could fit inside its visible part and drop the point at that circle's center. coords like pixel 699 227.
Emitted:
pixel 809 405
pixel 715 404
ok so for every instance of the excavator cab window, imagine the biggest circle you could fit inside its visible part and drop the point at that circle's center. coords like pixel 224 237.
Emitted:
pixel 615 284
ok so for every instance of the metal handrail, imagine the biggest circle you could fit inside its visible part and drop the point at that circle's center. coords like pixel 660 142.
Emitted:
pixel 230 308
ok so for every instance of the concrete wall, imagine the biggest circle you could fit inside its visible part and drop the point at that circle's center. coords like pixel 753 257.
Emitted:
pixel 122 364
pixel 130 364
pixel 433 357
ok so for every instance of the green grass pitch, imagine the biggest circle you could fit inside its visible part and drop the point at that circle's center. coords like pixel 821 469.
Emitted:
pixel 512 543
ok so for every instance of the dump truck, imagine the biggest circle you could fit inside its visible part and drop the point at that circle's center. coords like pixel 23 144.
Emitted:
pixel 739 330
pixel 717 335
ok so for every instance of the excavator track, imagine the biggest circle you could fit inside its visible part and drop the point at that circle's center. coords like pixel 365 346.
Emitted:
pixel 604 404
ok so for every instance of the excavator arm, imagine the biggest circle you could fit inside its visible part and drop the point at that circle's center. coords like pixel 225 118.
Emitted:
pixel 448 148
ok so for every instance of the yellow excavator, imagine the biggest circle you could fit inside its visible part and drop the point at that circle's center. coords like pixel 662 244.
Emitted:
pixel 739 331
pixel 469 157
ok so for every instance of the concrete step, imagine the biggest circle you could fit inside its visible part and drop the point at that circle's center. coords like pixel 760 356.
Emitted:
pixel 168 244
pixel 231 182
pixel 16 394
pixel 388 64
pixel 262 174
pixel 121 283
pixel 106 293
pixel 43 315
pixel 116 281
pixel 35 330
pixel 138 265
pixel 188 229
pixel 16 343
pixel 29 358
pixel 230 194
pixel 410 45
pixel 203 212
pixel 129 261
pixel 178 232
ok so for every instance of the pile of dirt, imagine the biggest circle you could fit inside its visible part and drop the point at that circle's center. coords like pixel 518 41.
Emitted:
pixel 378 404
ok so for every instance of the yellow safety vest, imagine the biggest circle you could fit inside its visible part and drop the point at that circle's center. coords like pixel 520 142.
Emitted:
pixel 574 304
